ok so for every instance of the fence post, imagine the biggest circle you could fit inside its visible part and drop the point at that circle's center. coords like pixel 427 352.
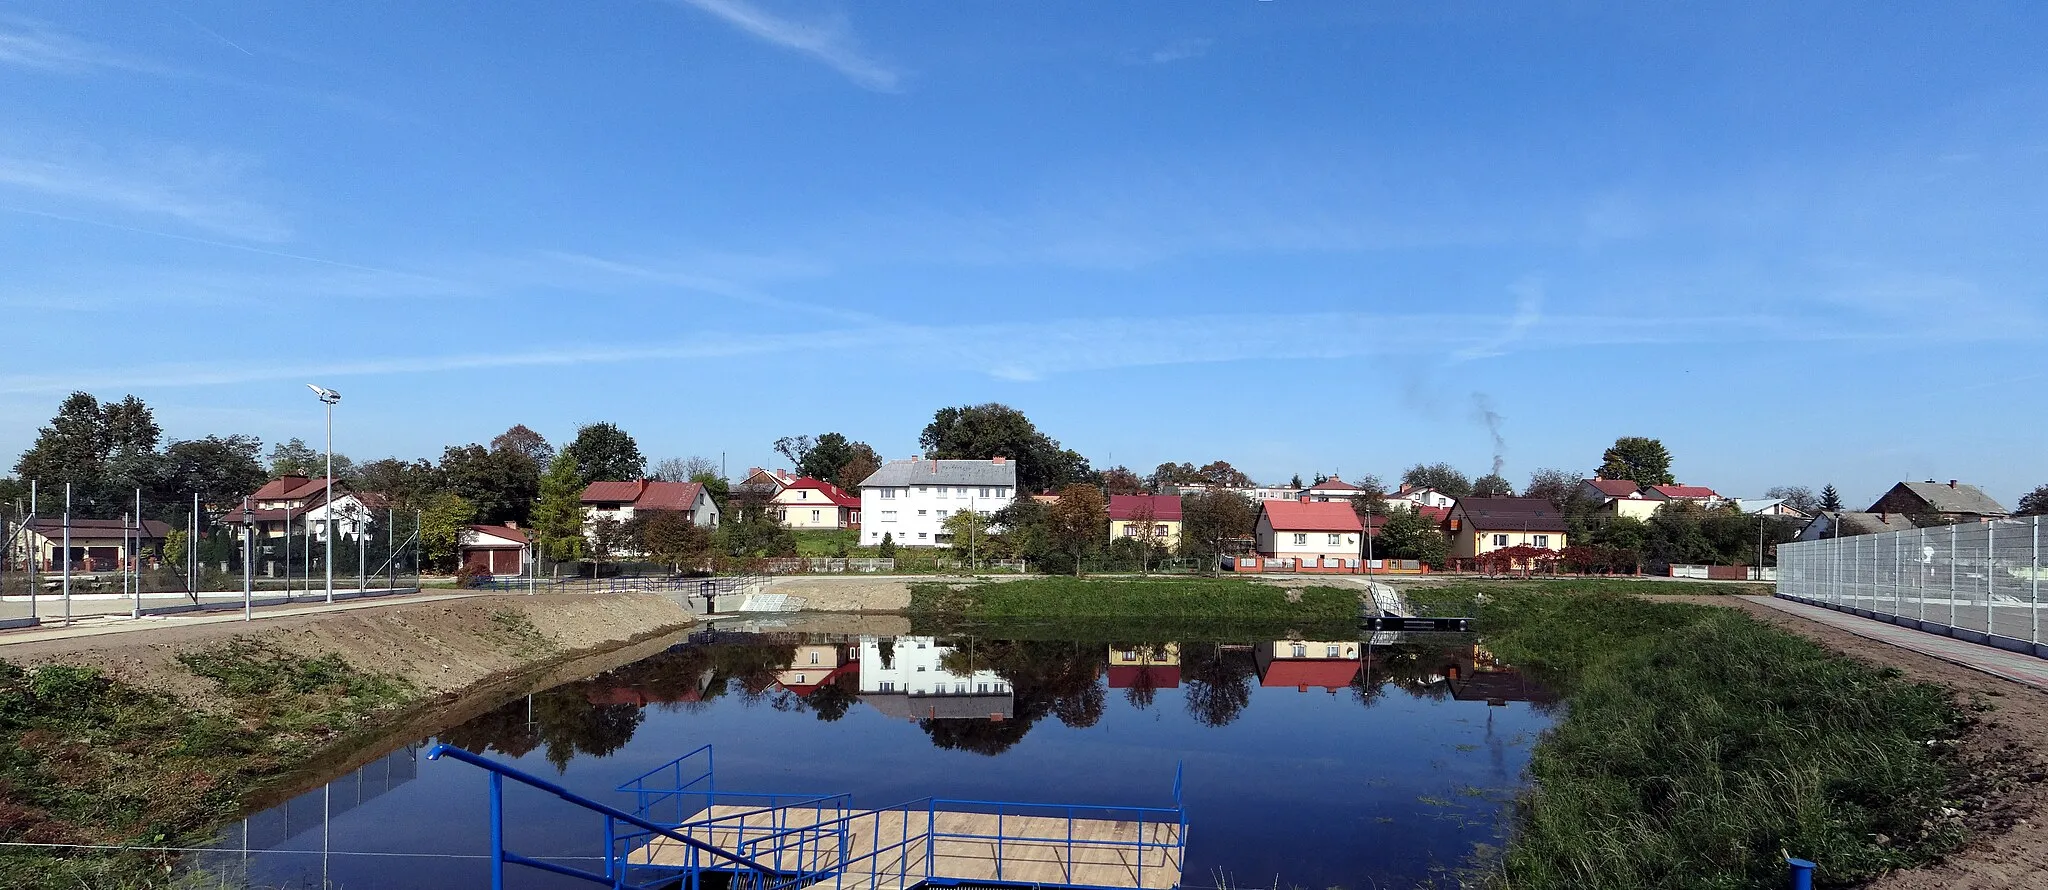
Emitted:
pixel 1898 573
pixel 1921 573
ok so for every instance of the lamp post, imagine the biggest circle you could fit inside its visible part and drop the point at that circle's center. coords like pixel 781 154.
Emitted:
pixel 328 397
pixel 249 558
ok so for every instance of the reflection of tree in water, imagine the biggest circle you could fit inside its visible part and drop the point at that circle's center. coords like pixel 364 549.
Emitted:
pixel 754 668
pixel 1218 681
pixel 1082 707
pixel 1418 669
pixel 503 729
pixel 571 725
pixel 828 702
pixel 1045 677
pixel 1143 689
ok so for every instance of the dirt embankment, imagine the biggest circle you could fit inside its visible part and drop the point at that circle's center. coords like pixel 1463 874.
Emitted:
pixel 440 647
pixel 2004 749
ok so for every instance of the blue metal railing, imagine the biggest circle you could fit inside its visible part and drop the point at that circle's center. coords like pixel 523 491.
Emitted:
pixel 615 864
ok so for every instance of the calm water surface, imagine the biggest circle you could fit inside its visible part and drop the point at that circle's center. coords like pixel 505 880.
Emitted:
pixel 1309 763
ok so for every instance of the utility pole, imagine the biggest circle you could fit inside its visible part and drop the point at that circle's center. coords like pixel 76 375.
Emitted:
pixel 67 553
pixel 328 397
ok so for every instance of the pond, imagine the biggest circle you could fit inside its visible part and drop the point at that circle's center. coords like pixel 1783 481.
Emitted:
pixel 1374 761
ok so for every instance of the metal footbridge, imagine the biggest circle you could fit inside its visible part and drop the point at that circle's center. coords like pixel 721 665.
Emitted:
pixel 683 831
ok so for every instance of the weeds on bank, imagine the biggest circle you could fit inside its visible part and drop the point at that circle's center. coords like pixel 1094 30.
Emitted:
pixel 1156 598
pixel 515 631
pixel 88 760
pixel 1700 746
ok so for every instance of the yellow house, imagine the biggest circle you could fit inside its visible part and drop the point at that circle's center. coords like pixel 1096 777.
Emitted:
pixel 1145 517
pixel 1482 525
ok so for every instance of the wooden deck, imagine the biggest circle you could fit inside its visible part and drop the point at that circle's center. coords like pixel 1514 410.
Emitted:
pixel 1032 849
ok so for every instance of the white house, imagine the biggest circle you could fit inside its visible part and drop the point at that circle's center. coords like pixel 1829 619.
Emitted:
pixel 1621 497
pixel 1318 534
pixel 903 677
pixel 623 500
pixel 909 500
pixel 297 505
pixel 1417 496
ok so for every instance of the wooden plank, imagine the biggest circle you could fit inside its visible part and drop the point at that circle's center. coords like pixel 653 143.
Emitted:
pixel 964 846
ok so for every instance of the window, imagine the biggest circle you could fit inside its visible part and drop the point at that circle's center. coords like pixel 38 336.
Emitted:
pixel 960 688
pixel 942 491
pixel 1301 539
pixel 984 492
pixel 1500 540
pixel 920 536
pixel 1130 531
pixel 922 489
pixel 888 686
pixel 920 512
pixel 888 516
pixel 803 494
pixel 1330 651
pixel 920 669
pixel 1336 539
pixel 1542 540
pixel 814 658
pixel 961 491
pixel 814 516
pixel 1127 654
pixel 1159 530
pixel 799 679
pixel 1002 491
pixel 888 494
pixel 1300 651
pixel 981 688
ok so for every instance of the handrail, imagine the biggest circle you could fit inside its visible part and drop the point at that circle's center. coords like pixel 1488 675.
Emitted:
pixel 445 749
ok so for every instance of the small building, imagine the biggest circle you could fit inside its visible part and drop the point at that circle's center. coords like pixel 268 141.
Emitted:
pixel 1481 525
pixel 906 677
pixel 1419 496
pixel 1151 518
pixel 1315 535
pixel 1151 666
pixel 624 500
pixel 297 505
pixel 1768 507
pixel 1932 503
pixel 495 549
pixel 804 502
pixel 97 545
pixel 813 666
pixel 1328 665
pixel 1849 524
pixel 1333 489
pixel 1619 497
pixel 909 500
pixel 1699 495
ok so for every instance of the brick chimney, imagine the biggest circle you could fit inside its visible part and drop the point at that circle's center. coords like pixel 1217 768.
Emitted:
pixel 1000 460
pixel 1951 483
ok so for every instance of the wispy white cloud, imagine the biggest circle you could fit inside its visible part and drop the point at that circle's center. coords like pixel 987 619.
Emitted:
pixel 830 43
pixel 1528 312
pixel 1180 50
pixel 195 189
pixel 26 43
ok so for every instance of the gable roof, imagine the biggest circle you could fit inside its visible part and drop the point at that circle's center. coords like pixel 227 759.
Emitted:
pixel 1165 507
pixel 1614 488
pixel 1312 516
pixel 1849 523
pixel 1700 492
pixel 900 473
pixel 510 536
pixel 833 493
pixel 1149 676
pixel 1334 484
pixel 1961 498
pixel 1302 673
pixel 1434 514
pixel 1511 514
pixel 645 494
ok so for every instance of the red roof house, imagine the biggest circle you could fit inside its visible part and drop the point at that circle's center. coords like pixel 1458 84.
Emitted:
pixel 621 500
pixel 1698 494
pixel 495 549
pixel 805 502
pixel 1314 535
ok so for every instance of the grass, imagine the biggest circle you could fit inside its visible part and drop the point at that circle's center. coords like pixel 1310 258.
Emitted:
pixel 824 542
pixel 1170 599
pixel 87 759
pixel 1701 745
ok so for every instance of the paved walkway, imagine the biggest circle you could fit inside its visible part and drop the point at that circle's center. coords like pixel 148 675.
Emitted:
pixel 1992 660
pixel 98 625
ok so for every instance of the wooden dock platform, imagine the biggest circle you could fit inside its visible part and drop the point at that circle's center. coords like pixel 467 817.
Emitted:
pixel 1012 849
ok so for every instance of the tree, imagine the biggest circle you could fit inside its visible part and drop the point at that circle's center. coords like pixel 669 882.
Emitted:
pixel 862 463
pixel 830 452
pixel 220 469
pixel 670 537
pixel 1172 475
pixel 407 484
pixel 1556 486
pixel 716 486
pixel 501 483
pixel 1211 521
pixel 1120 480
pixel 1798 497
pixel 441 524
pixel 1371 499
pixel 1830 500
pixel 1079 522
pixel 1492 485
pixel 1408 534
pixel 609 538
pixel 1638 459
pixel 1221 473
pixel 602 451
pixel 969 532
pixel 295 458
pixel 795 449
pixel 684 469
pixel 525 441
pixel 558 517
pixel 81 441
pixel 1440 476
pixel 887 550
pixel 1144 519
pixel 1295 483
pixel 2034 503
pixel 751 528
pixel 982 432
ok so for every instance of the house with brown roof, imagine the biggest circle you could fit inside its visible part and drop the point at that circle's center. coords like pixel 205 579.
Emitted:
pixel 1313 536
pixel 804 502
pixel 622 501
pixel 1619 497
pixel 1848 524
pixel 1151 518
pixel 1932 503
pixel 297 505
pixel 97 545
pixel 1697 495
pixel 1481 525
pixel 1327 665
pixel 1420 496
pixel 1333 489
pixel 495 549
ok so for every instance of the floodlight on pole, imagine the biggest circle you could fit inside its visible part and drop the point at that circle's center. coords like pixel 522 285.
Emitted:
pixel 328 397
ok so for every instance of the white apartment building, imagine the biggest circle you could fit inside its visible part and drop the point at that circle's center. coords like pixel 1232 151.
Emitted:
pixel 909 500
pixel 912 684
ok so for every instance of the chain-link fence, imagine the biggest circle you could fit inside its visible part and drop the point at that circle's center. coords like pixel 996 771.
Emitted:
pixel 1973 579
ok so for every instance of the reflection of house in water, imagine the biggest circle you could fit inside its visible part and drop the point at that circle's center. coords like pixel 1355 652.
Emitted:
pixel 1306 663
pixel 1145 666
pixel 671 693
pixel 906 677
pixel 816 665
pixel 1475 675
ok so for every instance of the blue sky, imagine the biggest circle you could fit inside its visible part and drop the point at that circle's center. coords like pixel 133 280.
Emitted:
pixel 1799 243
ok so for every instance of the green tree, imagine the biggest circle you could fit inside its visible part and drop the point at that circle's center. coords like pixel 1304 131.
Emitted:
pixel 604 452
pixel 2034 503
pixel 407 484
pixel 1830 500
pixel 1440 476
pixel 716 486
pixel 888 548
pixel 558 517
pixel 502 483
pixel 982 432
pixel 1492 485
pixel 751 528
pixel 220 469
pixel 1221 473
pixel 1639 459
pixel 1121 480
pixel 969 533
pixel 441 524
pixel 1556 486
pixel 81 442
pixel 525 441
pixel 1079 522
pixel 1408 534
pixel 1798 497
pixel 1372 496
pixel 1211 521
pixel 858 467
pixel 668 536
pixel 1170 475
pixel 1295 483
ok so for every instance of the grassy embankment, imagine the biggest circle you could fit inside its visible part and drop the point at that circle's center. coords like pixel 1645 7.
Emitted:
pixel 85 759
pixel 1135 608
pixel 1700 746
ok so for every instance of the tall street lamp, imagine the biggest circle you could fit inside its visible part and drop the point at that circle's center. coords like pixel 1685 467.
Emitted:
pixel 328 397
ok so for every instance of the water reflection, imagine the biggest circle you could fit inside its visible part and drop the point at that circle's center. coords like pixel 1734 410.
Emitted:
pixel 981 696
